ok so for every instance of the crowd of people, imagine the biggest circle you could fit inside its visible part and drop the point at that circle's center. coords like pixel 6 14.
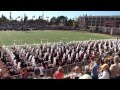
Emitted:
pixel 20 25
pixel 36 25
pixel 30 62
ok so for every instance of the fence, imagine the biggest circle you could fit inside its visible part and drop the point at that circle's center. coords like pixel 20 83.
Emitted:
pixel 67 68
pixel 108 30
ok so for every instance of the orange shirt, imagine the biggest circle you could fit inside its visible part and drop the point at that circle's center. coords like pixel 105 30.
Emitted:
pixel 58 75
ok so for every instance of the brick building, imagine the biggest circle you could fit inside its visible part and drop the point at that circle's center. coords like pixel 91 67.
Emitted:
pixel 102 21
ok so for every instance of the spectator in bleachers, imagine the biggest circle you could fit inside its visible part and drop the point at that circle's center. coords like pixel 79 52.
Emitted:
pixel 103 72
pixel 41 68
pixel 87 73
pixel 77 73
pixel 87 70
pixel 95 69
pixel 24 73
pixel 107 61
pixel 86 76
pixel 37 73
pixel 59 74
pixel 115 68
pixel 1 75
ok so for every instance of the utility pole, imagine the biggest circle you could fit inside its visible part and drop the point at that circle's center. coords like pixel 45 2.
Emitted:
pixel 43 18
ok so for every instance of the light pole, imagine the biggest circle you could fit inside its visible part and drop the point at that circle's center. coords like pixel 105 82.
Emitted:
pixel 43 15
pixel 47 19
pixel 10 15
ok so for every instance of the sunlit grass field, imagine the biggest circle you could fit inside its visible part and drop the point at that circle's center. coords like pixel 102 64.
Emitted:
pixel 31 37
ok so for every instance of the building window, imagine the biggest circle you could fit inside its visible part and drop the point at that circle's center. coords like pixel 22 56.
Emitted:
pixel 117 18
pixel 107 18
pixel 112 18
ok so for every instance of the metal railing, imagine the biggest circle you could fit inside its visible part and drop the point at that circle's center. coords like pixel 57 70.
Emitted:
pixel 67 68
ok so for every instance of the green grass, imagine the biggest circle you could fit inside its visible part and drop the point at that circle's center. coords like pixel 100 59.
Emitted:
pixel 30 37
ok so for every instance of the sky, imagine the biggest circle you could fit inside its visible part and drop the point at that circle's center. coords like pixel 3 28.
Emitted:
pixel 69 14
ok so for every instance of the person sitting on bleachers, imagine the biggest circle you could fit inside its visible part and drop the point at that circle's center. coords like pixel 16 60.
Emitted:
pixel 77 73
pixel 104 73
pixel 59 74
pixel 115 68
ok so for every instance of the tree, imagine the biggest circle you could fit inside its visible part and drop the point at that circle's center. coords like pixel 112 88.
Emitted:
pixel 70 22
pixel 3 18
pixel 31 20
pixel 21 19
pixel 75 24
pixel 62 20
pixel 53 21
